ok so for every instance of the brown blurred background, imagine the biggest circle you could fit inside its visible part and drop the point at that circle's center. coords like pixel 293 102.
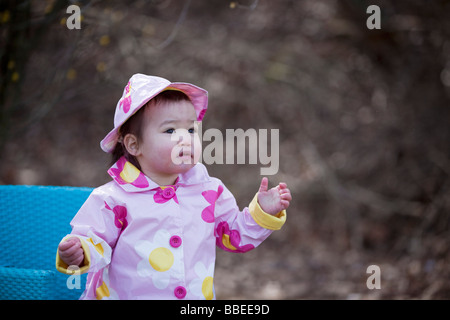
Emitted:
pixel 364 120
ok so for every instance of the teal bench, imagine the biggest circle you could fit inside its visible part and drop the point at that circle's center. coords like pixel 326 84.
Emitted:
pixel 33 220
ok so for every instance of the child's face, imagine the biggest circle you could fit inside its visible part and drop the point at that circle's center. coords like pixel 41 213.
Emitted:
pixel 170 143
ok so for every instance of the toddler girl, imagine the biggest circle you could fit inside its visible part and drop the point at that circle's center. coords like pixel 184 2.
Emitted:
pixel 151 232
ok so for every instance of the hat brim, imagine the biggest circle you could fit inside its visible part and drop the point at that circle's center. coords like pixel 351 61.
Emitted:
pixel 108 144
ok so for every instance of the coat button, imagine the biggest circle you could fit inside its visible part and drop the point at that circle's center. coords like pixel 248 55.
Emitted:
pixel 175 241
pixel 180 292
pixel 168 193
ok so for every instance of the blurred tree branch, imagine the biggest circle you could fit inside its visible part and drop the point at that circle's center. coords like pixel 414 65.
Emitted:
pixel 174 32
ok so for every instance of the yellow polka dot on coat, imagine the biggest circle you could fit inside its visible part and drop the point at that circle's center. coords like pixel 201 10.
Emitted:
pixel 97 246
pixel 102 292
pixel 207 288
pixel 161 259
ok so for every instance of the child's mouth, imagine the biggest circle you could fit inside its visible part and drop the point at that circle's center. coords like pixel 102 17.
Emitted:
pixel 184 154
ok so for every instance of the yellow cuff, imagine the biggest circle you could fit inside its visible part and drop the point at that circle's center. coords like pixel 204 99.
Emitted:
pixel 62 267
pixel 265 220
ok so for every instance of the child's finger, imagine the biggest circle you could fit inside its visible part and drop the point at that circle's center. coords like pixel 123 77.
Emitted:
pixel 286 196
pixel 70 253
pixel 282 188
pixel 79 260
pixel 77 257
pixel 69 243
pixel 282 185
pixel 63 246
pixel 285 204
pixel 264 184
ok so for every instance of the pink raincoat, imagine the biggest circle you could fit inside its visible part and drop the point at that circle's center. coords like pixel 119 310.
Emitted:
pixel 144 241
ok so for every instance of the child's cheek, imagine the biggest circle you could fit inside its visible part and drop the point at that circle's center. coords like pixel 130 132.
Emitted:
pixel 166 147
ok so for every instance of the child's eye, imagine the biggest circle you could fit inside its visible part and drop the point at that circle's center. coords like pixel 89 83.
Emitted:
pixel 170 131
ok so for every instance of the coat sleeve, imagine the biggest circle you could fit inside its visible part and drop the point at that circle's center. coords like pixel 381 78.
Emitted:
pixel 241 231
pixel 97 224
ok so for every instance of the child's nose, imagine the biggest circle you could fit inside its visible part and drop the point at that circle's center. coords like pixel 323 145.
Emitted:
pixel 184 137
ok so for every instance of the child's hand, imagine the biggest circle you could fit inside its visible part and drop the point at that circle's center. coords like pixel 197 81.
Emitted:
pixel 70 251
pixel 274 200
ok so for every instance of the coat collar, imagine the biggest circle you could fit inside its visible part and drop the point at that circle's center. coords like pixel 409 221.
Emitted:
pixel 131 179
